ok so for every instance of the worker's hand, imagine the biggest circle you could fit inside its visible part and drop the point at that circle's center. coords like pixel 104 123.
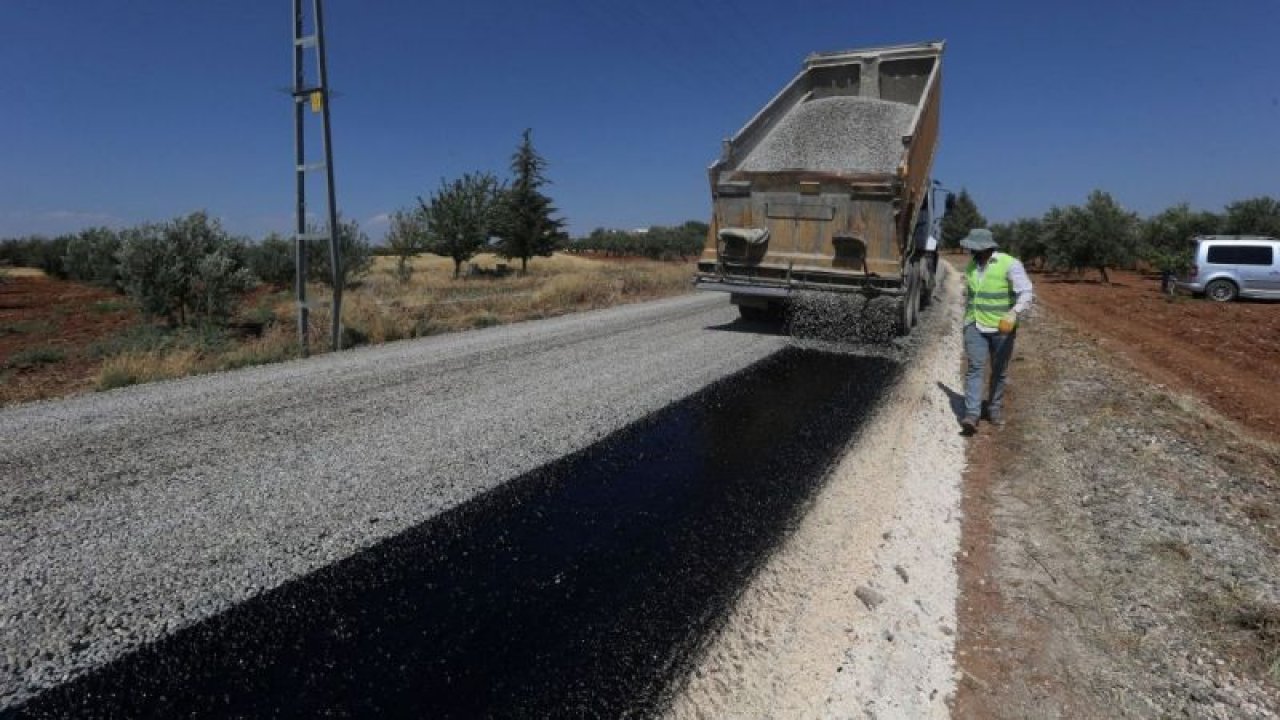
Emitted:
pixel 1009 322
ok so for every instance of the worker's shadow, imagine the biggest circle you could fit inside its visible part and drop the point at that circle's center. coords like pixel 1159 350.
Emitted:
pixel 956 399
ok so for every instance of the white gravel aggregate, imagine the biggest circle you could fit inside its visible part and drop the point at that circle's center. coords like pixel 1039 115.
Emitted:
pixel 833 134
pixel 127 515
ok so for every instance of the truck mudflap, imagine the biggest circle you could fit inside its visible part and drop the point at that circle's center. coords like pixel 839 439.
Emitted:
pixel 749 236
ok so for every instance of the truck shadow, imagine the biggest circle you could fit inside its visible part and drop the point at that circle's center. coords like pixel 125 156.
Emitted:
pixel 754 327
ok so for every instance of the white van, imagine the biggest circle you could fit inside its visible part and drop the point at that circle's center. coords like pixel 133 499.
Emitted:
pixel 1230 266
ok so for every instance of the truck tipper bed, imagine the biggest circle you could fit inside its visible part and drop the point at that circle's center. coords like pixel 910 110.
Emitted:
pixel 828 188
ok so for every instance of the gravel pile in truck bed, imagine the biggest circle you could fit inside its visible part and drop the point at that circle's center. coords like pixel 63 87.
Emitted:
pixel 835 134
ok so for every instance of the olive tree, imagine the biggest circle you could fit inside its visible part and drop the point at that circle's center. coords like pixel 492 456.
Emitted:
pixel 1100 234
pixel 90 257
pixel 1255 216
pixel 188 271
pixel 1165 238
pixel 355 254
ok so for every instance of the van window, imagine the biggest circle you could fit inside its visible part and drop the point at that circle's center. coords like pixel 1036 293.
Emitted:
pixel 1240 254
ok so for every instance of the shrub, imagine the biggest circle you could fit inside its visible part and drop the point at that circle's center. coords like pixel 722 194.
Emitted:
pixel 353 248
pixel 272 260
pixel 406 238
pixel 91 257
pixel 187 271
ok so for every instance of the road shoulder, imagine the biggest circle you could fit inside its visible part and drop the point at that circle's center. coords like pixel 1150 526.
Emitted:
pixel 1120 548
pixel 854 615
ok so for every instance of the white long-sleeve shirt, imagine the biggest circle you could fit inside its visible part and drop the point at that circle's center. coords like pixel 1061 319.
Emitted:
pixel 1021 285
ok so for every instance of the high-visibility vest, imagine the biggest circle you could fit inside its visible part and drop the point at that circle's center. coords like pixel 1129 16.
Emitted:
pixel 991 298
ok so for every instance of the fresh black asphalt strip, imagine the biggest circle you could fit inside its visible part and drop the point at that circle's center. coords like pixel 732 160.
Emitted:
pixel 583 588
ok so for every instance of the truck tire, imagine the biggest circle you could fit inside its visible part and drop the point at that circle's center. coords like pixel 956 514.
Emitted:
pixel 930 265
pixel 909 305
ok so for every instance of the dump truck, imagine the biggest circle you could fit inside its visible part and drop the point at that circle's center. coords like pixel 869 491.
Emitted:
pixel 828 189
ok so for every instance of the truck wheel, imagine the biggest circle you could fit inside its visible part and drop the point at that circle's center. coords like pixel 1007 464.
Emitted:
pixel 917 293
pixel 908 305
pixel 931 281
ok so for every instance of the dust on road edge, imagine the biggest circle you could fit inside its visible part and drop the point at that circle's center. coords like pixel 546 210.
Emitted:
pixel 856 613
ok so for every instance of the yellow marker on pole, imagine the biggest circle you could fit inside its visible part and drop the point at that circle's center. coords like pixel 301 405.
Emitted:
pixel 317 100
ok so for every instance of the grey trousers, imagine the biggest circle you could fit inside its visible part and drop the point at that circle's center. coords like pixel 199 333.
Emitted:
pixel 979 348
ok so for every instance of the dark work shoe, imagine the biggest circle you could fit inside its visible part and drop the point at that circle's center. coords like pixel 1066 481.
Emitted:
pixel 997 418
pixel 969 424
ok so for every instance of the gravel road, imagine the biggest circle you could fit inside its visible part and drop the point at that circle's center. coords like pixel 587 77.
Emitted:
pixel 126 515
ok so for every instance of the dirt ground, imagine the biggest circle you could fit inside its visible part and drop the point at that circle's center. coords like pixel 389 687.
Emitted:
pixel 1121 541
pixel 1223 353
pixel 48 328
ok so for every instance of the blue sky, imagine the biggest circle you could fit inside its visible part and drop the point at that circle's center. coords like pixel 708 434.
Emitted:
pixel 121 112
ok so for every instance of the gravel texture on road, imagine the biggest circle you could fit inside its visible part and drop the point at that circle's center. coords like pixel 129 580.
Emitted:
pixel 835 134
pixel 127 515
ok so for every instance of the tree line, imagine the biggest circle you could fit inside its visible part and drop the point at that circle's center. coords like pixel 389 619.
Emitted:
pixel 1101 234
pixel 656 243
pixel 189 270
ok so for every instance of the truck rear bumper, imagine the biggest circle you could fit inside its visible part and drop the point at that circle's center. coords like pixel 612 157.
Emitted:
pixel 762 291
pixel 781 290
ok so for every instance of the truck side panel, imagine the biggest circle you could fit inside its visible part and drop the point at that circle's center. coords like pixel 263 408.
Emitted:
pixel 924 142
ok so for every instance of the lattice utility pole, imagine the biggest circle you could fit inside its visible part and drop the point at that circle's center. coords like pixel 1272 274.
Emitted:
pixel 317 96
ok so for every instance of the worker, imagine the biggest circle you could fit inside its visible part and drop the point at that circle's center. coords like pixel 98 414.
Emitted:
pixel 997 293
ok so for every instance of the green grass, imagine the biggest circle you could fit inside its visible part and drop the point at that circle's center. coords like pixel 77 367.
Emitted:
pixel 264 311
pixel 112 378
pixel 155 338
pixel 31 327
pixel 485 319
pixel 103 307
pixel 34 357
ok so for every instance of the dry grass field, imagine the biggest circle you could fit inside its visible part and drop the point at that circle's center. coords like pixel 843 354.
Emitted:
pixel 381 308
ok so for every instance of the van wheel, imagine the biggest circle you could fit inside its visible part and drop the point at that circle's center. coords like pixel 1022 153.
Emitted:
pixel 1221 290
